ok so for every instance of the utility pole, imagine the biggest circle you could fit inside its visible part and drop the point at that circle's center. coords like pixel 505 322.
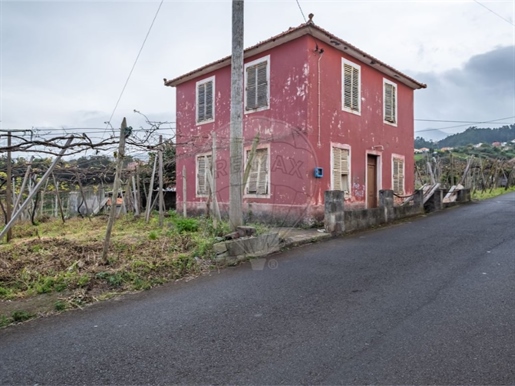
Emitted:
pixel 8 189
pixel 236 135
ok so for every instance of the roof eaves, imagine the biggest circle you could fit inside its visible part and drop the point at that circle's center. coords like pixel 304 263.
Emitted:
pixel 293 33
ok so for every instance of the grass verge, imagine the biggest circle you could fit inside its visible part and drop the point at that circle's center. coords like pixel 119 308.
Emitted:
pixel 489 193
pixel 53 266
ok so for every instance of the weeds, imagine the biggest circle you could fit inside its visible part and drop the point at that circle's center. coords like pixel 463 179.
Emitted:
pixel 51 258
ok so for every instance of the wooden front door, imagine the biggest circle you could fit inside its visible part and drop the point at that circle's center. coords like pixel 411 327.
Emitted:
pixel 371 181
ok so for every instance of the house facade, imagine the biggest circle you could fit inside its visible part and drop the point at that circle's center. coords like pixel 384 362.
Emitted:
pixel 322 115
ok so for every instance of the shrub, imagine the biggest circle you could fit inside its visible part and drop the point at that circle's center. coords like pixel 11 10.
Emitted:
pixel 187 225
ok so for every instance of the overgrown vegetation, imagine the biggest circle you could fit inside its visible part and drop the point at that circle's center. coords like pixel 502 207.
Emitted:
pixel 65 262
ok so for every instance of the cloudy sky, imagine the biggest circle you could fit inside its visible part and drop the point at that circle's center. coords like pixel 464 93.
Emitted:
pixel 64 63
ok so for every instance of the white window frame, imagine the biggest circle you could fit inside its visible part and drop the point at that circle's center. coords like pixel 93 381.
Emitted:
pixel 268 177
pixel 197 194
pixel 349 161
pixel 403 159
pixel 199 83
pixel 357 67
pixel 254 63
pixel 396 99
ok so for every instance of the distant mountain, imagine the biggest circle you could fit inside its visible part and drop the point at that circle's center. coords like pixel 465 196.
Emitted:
pixel 434 135
pixel 473 135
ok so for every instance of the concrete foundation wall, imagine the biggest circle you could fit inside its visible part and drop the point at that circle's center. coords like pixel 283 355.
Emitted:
pixel 339 219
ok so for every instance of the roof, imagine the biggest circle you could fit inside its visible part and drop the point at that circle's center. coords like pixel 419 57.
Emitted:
pixel 308 28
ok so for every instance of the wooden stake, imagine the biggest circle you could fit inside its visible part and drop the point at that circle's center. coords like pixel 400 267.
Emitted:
pixel 36 189
pixel 119 165
pixel 58 198
pixel 161 197
pixel 150 191
pixel 184 191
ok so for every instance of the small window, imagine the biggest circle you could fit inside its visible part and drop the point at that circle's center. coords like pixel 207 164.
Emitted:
pixel 203 173
pixel 205 100
pixel 351 80
pixel 341 169
pixel 390 102
pixel 398 176
pixel 257 87
pixel 257 182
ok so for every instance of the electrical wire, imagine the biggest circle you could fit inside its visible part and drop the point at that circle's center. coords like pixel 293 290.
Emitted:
pixel 302 12
pixel 134 65
pixel 477 123
pixel 495 13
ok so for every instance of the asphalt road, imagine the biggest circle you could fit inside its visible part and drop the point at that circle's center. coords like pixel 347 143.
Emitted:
pixel 430 301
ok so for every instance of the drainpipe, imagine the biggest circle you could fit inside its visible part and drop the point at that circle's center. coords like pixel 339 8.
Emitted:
pixel 320 52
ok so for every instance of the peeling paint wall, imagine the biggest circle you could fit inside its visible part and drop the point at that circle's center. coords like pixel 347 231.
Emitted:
pixel 304 118
pixel 365 133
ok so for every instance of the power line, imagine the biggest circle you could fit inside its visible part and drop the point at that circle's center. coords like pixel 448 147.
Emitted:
pixel 135 61
pixel 495 13
pixel 476 123
pixel 302 12
pixel 446 121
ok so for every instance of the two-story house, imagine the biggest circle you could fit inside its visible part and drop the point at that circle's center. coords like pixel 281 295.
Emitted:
pixel 325 115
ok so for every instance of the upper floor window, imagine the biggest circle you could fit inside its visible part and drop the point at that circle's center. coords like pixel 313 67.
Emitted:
pixel 257 84
pixel 390 102
pixel 258 180
pixel 398 175
pixel 341 169
pixel 351 89
pixel 205 100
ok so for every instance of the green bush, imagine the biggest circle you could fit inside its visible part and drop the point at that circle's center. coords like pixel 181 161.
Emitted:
pixel 187 225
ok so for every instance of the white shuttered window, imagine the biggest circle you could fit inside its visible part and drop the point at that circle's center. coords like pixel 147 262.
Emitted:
pixel 390 102
pixel 257 85
pixel 258 177
pixel 351 80
pixel 341 168
pixel 203 168
pixel 398 176
pixel 205 100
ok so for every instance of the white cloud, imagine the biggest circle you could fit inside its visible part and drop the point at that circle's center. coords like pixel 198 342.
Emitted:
pixel 60 59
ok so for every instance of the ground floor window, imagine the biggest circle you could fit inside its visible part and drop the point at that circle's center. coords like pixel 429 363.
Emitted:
pixel 398 175
pixel 340 169
pixel 258 179
pixel 203 170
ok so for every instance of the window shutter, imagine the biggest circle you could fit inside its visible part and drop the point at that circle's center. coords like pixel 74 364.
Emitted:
pixel 340 168
pixel 209 100
pixel 337 171
pixel 201 102
pixel 262 85
pixel 398 176
pixel 251 88
pixel 201 175
pixel 258 176
pixel 203 163
pixel 355 89
pixel 262 180
pixel 350 87
pixel 253 175
pixel 347 86
pixel 389 103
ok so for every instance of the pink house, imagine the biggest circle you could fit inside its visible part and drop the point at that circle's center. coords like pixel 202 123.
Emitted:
pixel 325 115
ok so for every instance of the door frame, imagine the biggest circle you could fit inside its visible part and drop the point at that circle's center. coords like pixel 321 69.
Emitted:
pixel 379 174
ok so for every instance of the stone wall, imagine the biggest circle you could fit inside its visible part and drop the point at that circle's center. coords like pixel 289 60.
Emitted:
pixel 339 220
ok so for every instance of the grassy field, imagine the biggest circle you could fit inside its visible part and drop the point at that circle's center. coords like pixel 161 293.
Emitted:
pixel 53 266
pixel 489 193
